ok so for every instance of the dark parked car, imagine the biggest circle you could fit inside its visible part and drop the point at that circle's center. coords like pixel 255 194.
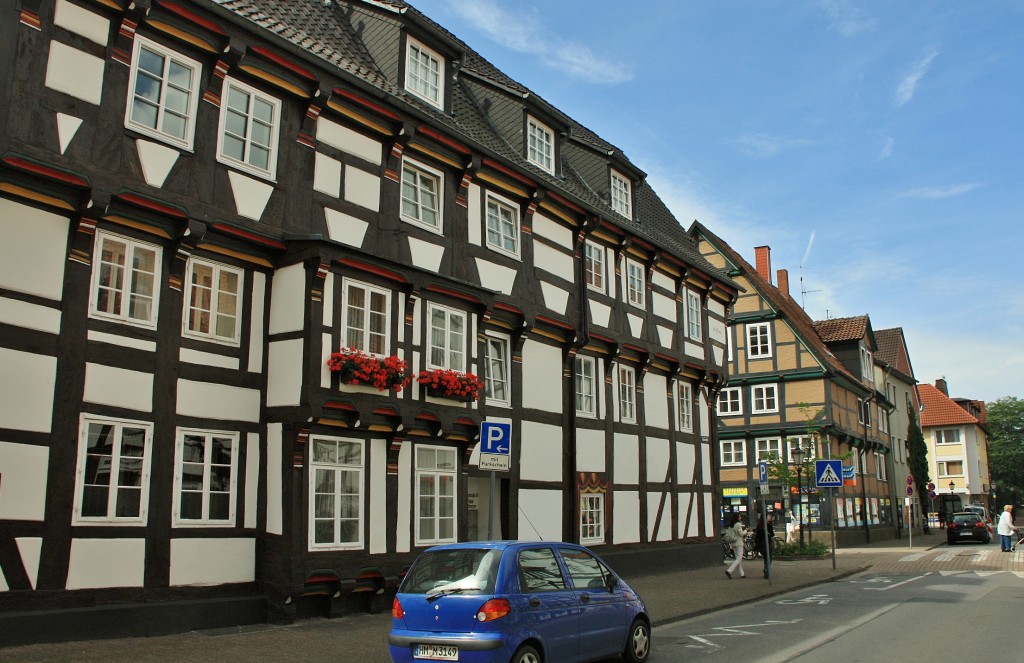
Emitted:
pixel 967 526
pixel 516 602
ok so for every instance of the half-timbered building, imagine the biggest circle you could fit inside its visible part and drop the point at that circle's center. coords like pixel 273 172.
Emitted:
pixel 265 268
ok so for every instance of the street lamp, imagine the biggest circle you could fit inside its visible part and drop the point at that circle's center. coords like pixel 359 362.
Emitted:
pixel 798 458
pixel 952 502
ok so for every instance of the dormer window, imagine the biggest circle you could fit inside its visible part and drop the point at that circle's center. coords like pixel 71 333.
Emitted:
pixel 424 69
pixel 622 195
pixel 540 145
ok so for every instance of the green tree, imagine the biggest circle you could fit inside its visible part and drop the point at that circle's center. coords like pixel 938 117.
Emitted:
pixel 1006 446
pixel 917 461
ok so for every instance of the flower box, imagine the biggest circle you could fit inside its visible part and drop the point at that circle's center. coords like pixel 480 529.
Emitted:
pixel 454 385
pixel 360 368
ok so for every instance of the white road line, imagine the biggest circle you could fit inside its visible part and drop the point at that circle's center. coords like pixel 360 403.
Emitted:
pixel 887 588
pixel 915 557
pixel 810 645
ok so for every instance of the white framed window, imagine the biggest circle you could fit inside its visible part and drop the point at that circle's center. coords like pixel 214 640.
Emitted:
pixel 591 518
pixel 112 481
pixel 366 317
pixel 125 280
pixel 249 124
pixel 424 73
pixel 594 266
pixel 867 365
pixel 864 412
pixel 734 452
pixel 950 468
pixel 447 346
pixel 880 466
pixel 622 195
pixel 768 448
pixel 422 189
pixel 213 304
pixel 883 419
pixel 206 470
pixel 496 379
pixel 627 393
pixel 759 340
pixel 765 398
pixel 693 315
pixel 436 476
pixel 502 225
pixel 540 145
pixel 635 283
pixel 586 386
pixel 800 442
pixel 947 436
pixel 684 399
pixel 730 401
pixel 336 493
pixel 163 93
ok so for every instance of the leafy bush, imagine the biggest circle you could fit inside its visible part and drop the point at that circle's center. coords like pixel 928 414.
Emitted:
pixel 810 548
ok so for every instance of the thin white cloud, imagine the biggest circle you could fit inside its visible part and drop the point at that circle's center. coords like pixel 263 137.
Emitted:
pixel 887 148
pixel 525 32
pixel 847 19
pixel 908 85
pixel 934 192
pixel 764 145
pixel 807 251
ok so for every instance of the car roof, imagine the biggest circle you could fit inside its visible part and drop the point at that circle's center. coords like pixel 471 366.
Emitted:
pixel 499 545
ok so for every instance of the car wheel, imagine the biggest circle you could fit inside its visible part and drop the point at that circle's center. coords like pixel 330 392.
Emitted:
pixel 638 646
pixel 526 654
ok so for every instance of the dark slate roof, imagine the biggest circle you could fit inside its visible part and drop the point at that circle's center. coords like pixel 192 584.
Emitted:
pixel 323 32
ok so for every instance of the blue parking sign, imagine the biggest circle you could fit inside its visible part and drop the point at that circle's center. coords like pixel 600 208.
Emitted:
pixel 495 438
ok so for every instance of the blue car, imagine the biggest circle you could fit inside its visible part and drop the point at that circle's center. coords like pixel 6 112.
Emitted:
pixel 516 602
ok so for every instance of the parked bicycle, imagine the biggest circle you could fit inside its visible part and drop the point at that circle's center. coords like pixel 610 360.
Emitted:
pixel 748 547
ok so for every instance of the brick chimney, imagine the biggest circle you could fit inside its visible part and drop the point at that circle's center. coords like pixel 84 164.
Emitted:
pixel 783 276
pixel 763 261
pixel 940 384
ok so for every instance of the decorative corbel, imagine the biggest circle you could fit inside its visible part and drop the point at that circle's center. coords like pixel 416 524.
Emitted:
pixel 228 59
pixel 462 195
pixel 125 39
pixel 307 132
pixel 393 169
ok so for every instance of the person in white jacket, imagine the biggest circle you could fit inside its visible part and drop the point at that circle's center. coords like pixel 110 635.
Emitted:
pixel 1005 529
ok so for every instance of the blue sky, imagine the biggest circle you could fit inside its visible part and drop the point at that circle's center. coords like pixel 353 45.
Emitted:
pixel 876 147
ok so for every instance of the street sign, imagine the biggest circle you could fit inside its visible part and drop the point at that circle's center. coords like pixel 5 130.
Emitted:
pixel 910 480
pixel 762 473
pixel 828 473
pixel 495 446
pixel 910 491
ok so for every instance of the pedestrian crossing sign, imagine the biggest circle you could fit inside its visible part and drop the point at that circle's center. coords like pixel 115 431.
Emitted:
pixel 828 473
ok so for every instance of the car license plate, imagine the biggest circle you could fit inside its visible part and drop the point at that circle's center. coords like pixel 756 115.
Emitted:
pixel 966 533
pixel 436 652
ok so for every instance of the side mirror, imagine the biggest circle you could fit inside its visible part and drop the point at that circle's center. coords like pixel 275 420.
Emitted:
pixel 611 582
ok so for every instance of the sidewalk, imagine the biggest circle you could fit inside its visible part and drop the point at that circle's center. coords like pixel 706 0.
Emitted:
pixel 670 597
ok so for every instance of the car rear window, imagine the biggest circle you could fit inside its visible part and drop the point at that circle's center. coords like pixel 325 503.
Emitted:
pixel 966 519
pixel 465 570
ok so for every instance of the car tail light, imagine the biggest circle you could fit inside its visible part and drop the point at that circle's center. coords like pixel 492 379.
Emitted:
pixel 396 609
pixel 493 609
pixel 979 524
pixel 952 526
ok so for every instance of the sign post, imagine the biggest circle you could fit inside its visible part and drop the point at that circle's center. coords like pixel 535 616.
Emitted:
pixel 829 474
pixel 495 455
pixel 909 502
pixel 762 480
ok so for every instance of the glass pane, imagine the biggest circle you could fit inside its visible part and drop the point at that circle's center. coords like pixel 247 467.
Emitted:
pixel 427 531
pixel 446 459
pixel 446 529
pixel 350 453
pixel 234 148
pixel 348 531
pixel 97 469
pixel 220 452
pixel 191 506
pixel 446 507
pixel 179 75
pixel 176 100
pixel 261 134
pixel 129 501
pixel 94 501
pixel 324 506
pixel 426 507
pixel 220 479
pixel 130 473
pixel 151 61
pixel 324 451
pixel 238 100
pixel 193 448
pixel 349 507
pixel 324 483
pixel 259 157
pixel 144 113
pixel 133 442
pixel 192 476
pixel 263 111
pixel 323 531
pixel 220 506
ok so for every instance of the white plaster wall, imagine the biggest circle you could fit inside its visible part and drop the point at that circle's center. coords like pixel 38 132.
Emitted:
pixel 284 372
pixel 344 228
pixel 550 229
pixel 82 22
pixel 555 298
pixel 553 261
pixel 540 458
pixel 347 140
pixel 538 518
pixel 74 72
pixel 252 479
pixel 378 496
pixel 27 403
pixel 108 385
pixel 212 561
pixel 686 456
pixel 685 504
pixel 97 563
pixel 590 450
pixel 275 478
pixel 703 412
pixel 716 330
pixel 251 195
pixel 3 582
pixel 658 460
pixel 288 299
pixel 636 325
pixel 655 400
pixel 710 522
pixel 33 250
pixel 626 452
pixel 663 280
pixel 403 528
pixel 190 356
pixel 30 548
pixel 663 306
pixel 218 401
pixel 156 160
pixel 496 277
pixel 29 316
pixel 426 255
pixel 327 175
pixel 626 516
pixel 600 314
pixel 257 326
pixel 705 461
pixel 716 307
pixel 325 373
pixel 718 354
pixel 663 531
pixel 542 376
pixel 664 336
pixel 693 349
pixel 23 470
pixel 362 188
pixel 475 220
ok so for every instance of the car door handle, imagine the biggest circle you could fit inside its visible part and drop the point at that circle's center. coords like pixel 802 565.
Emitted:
pixel 585 598
pixel 534 603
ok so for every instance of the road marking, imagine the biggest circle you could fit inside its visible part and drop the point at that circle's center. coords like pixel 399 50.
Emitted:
pixel 823 638
pixel 885 589
pixel 915 557
pixel 702 641
pixel 946 557
pixel 815 599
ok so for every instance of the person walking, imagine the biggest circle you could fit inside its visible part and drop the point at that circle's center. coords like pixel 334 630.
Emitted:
pixel 762 543
pixel 734 537
pixel 1005 529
